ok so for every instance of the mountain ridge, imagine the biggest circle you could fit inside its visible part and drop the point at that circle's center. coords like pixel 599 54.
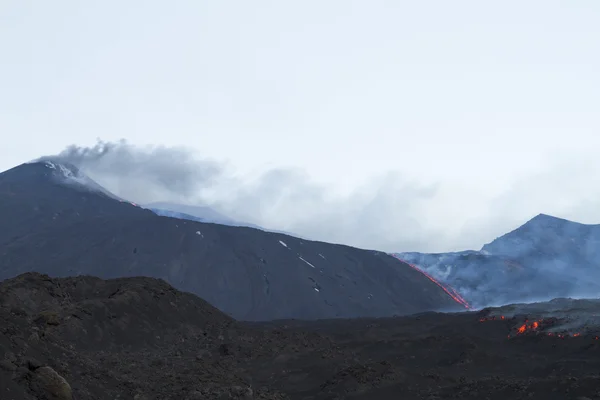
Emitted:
pixel 245 272
pixel 203 214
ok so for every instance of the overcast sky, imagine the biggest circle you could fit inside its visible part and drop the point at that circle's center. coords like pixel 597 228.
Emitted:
pixel 398 125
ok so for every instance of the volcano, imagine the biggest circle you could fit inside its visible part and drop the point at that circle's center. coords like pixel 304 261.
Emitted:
pixel 545 258
pixel 57 221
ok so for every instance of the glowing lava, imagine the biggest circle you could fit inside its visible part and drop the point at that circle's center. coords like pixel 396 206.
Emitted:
pixel 446 288
pixel 535 327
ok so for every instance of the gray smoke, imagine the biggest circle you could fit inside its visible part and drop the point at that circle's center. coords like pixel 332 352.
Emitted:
pixel 382 214
pixel 144 174
pixel 546 259
pixel 389 212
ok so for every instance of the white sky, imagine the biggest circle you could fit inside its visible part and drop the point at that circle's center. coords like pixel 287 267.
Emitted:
pixel 497 104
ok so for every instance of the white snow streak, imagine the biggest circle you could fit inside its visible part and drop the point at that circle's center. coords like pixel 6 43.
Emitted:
pixel 306 262
pixel 283 244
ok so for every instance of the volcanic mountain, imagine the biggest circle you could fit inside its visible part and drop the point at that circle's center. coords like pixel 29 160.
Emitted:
pixel 545 258
pixel 57 221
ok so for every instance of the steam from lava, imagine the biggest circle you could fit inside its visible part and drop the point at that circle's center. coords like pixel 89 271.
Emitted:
pixel 142 174
pixel 379 213
pixel 445 287
pixel 544 259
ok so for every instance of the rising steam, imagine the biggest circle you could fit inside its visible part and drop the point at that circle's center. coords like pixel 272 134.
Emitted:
pixel 546 258
pixel 382 214
pixel 143 174
pixel 387 213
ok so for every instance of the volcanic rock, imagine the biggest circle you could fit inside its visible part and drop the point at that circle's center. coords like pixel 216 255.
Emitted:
pixel 139 338
pixel 46 383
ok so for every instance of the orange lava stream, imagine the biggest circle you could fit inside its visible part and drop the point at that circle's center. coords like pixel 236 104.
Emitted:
pixel 446 288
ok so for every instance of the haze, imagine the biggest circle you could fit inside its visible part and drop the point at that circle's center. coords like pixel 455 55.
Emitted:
pixel 401 126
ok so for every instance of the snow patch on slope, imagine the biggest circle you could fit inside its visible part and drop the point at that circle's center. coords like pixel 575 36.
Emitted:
pixel 68 174
pixel 306 262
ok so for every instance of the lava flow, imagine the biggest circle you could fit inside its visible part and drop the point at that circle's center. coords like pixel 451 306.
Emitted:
pixel 446 288
pixel 528 327
pixel 534 327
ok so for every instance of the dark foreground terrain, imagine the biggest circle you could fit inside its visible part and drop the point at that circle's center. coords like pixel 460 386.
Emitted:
pixel 139 338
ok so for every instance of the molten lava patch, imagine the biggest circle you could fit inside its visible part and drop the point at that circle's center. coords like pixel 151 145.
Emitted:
pixel 534 327
pixel 450 291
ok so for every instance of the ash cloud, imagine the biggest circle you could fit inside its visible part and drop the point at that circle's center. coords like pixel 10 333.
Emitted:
pixel 144 174
pixel 389 212
pixel 385 213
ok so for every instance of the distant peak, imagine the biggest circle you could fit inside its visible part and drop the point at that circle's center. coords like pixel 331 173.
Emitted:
pixel 542 217
pixel 548 220
pixel 66 170
pixel 542 228
pixel 55 171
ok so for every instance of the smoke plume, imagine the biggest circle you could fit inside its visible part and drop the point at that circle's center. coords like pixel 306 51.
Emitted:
pixel 381 214
pixel 545 259
pixel 389 212
pixel 144 174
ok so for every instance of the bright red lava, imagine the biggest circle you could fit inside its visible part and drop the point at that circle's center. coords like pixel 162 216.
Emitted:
pixel 534 327
pixel 448 289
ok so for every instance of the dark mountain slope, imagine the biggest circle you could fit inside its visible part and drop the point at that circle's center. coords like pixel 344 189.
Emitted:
pixel 67 230
pixel 138 338
pixel 40 195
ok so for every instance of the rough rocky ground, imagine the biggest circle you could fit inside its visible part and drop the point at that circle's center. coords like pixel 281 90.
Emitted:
pixel 139 338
